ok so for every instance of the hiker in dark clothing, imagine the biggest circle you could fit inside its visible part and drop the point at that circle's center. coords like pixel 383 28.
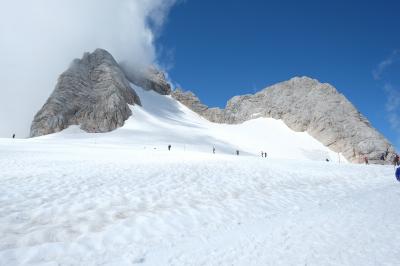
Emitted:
pixel 214 149
pixel 382 157
pixel 366 160
pixel 237 152
pixel 265 154
pixel 396 160
pixel 14 136
pixel 262 154
pixel 398 173
pixel 169 147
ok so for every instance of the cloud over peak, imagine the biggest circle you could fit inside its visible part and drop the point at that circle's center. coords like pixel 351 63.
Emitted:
pixel 40 38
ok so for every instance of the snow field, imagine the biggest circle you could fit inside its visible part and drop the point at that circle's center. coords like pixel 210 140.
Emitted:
pixel 121 198
pixel 162 121
pixel 91 206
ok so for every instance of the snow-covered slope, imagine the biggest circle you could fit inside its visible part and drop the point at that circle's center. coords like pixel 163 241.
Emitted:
pixel 122 198
pixel 96 204
pixel 163 121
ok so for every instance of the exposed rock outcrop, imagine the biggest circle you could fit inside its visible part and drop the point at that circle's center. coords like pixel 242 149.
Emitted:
pixel 304 104
pixel 150 79
pixel 190 100
pixel 93 93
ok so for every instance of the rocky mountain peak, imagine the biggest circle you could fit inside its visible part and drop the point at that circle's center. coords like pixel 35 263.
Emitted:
pixel 305 105
pixel 150 79
pixel 93 93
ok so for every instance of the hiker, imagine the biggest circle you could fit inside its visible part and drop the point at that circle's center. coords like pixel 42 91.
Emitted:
pixel 398 174
pixel 327 159
pixel 214 149
pixel 265 154
pixel 262 154
pixel 14 136
pixel 169 147
pixel 237 152
pixel 396 160
pixel 382 157
pixel 366 160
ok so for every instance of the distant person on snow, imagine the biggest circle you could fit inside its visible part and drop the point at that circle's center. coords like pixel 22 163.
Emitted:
pixel 262 154
pixel 214 149
pixel 396 160
pixel 169 147
pixel 14 136
pixel 398 174
pixel 265 154
pixel 237 152
pixel 366 160
pixel 327 159
pixel 382 157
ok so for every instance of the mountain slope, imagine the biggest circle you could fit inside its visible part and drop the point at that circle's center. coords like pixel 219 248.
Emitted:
pixel 161 121
pixel 95 94
pixel 305 105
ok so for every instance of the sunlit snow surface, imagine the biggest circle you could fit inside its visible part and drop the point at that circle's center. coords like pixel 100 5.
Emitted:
pixel 162 121
pixel 122 199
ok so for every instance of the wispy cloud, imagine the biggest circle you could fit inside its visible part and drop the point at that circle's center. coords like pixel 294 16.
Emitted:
pixel 385 64
pixel 393 106
pixel 391 90
pixel 393 102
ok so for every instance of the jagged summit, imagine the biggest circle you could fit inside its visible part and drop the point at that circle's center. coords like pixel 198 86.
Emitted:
pixel 304 104
pixel 93 93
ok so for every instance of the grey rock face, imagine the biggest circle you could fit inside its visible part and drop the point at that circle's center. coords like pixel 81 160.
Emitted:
pixel 304 104
pixel 150 79
pixel 189 99
pixel 93 93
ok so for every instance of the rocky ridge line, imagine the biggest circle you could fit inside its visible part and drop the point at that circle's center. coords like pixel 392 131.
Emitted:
pixel 304 104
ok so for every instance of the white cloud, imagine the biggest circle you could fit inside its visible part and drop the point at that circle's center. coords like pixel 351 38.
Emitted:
pixel 393 98
pixel 393 108
pixel 38 40
pixel 385 64
pixel 392 92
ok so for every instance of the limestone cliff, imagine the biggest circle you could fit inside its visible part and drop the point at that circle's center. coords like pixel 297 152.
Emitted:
pixel 93 93
pixel 304 104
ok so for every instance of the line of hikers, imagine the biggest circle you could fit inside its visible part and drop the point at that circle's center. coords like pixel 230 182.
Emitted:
pixel 383 157
pixel 263 154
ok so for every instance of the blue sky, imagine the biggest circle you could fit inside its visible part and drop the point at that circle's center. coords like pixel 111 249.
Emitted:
pixel 219 49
